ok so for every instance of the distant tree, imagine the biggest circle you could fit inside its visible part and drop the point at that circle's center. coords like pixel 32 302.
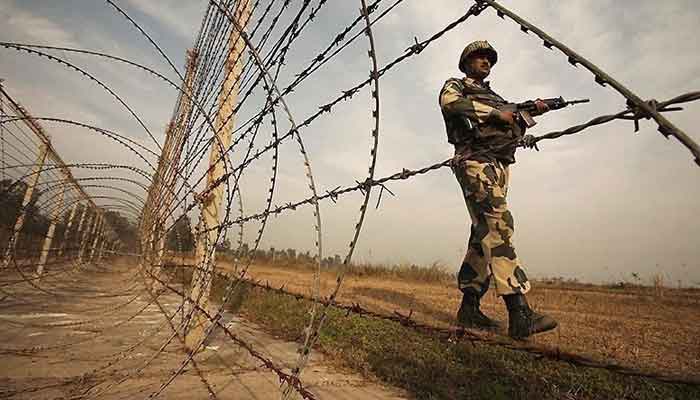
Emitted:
pixel 224 246
pixel 243 250
pixel 262 255
pixel 180 237
pixel 35 224
pixel 11 196
pixel 125 230
pixel 291 255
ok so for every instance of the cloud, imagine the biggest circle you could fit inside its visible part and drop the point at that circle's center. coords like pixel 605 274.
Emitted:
pixel 174 15
pixel 26 26
pixel 603 198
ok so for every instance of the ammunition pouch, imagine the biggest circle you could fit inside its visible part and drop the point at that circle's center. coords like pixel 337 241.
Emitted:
pixel 462 131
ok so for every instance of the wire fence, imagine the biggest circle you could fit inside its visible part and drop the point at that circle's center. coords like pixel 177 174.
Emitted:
pixel 231 106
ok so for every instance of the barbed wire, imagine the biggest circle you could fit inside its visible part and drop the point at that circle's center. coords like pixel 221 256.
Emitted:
pixel 451 335
pixel 406 173
pixel 642 109
pixel 233 74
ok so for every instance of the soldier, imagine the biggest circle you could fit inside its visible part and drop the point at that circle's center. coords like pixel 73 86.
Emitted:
pixel 481 134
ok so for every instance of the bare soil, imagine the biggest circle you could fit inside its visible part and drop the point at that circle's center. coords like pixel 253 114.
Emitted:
pixel 96 333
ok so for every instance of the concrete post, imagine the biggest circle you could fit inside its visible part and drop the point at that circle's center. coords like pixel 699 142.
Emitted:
pixel 78 236
pixel 19 223
pixel 160 251
pixel 89 229
pixel 102 249
pixel 66 234
pixel 176 144
pixel 98 233
pixel 213 196
pixel 49 234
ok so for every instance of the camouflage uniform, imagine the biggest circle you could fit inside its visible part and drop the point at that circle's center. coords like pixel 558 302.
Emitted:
pixel 470 113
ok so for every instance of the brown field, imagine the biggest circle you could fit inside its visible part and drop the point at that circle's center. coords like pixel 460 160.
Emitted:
pixel 646 328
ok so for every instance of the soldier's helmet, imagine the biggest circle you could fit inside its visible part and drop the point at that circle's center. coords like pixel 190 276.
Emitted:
pixel 479 46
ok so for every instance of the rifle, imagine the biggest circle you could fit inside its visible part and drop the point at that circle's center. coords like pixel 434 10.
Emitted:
pixel 522 110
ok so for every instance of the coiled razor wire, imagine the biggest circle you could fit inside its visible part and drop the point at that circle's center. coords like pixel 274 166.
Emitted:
pixel 169 184
pixel 314 331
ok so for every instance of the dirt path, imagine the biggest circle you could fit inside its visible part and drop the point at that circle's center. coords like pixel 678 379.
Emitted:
pixel 95 334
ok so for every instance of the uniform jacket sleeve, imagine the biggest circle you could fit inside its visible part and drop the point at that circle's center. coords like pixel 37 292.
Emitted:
pixel 454 103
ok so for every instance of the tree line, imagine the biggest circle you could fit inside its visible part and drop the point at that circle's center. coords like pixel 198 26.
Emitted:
pixel 180 239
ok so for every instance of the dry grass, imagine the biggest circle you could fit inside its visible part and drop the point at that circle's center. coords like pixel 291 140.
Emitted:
pixel 435 272
pixel 427 367
pixel 649 328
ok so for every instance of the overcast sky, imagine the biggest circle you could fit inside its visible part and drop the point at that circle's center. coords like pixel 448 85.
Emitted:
pixel 596 206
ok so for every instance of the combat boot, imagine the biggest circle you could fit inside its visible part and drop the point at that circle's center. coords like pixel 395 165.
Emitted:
pixel 522 320
pixel 470 316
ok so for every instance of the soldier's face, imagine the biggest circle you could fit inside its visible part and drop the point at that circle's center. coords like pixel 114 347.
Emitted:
pixel 479 66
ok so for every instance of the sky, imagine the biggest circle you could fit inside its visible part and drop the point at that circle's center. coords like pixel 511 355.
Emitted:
pixel 598 206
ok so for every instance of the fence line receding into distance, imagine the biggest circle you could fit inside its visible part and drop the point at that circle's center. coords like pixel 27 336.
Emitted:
pixel 234 111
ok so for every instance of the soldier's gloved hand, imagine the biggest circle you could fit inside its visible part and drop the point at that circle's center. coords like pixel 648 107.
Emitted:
pixel 541 106
pixel 530 142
